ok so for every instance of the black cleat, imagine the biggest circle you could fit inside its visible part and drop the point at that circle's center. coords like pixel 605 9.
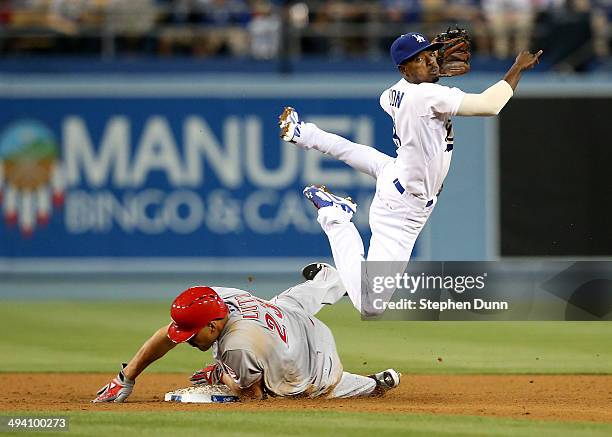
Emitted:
pixel 310 271
pixel 387 379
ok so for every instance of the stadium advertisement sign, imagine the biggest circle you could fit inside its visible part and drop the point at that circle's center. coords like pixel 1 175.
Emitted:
pixel 163 177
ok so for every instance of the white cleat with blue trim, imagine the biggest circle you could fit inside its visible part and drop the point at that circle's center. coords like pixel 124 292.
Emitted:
pixel 290 125
pixel 322 198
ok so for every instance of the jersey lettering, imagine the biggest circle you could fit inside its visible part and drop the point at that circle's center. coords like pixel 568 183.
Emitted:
pixel 247 305
pixel 395 98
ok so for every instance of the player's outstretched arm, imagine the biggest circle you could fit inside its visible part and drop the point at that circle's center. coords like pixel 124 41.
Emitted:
pixel 121 387
pixel 254 392
pixel 493 99
pixel 152 350
pixel 524 61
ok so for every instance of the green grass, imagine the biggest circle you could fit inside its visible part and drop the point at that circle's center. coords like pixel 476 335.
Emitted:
pixel 96 336
pixel 282 423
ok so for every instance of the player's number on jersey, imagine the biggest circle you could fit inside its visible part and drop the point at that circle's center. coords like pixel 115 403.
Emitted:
pixel 274 308
pixel 273 325
pixel 396 138
pixel 450 136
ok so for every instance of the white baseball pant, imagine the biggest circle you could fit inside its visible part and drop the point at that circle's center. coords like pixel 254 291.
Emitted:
pixel 396 219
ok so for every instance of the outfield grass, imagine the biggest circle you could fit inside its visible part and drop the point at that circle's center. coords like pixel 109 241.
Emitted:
pixel 282 423
pixel 96 336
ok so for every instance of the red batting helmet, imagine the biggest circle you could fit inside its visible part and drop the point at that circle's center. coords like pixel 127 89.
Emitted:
pixel 192 310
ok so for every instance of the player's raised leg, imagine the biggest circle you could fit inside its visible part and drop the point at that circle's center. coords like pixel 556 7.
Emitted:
pixel 323 286
pixel 363 158
pixel 387 245
pixel 334 216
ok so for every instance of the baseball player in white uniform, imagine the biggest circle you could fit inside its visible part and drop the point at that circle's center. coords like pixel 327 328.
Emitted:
pixel 275 347
pixel 408 186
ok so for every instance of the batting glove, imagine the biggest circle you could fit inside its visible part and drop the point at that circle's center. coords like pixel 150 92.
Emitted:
pixel 117 390
pixel 210 375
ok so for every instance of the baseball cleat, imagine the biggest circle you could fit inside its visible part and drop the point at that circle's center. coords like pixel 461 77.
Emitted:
pixel 290 124
pixel 387 379
pixel 320 197
pixel 311 270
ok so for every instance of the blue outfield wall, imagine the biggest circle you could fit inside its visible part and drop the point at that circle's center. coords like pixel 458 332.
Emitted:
pixel 189 171
pixel 187 177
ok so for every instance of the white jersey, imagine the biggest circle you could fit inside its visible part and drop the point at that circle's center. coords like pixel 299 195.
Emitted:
pixel 422 132
pixel 292 351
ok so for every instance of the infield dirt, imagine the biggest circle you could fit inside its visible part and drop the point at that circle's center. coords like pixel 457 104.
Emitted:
pixel 548 397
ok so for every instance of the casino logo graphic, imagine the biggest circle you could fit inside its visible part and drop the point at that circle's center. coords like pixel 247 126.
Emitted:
pixel 31 182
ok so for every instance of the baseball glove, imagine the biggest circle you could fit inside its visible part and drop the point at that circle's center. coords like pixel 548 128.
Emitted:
pixel 454 56
pixel 210 375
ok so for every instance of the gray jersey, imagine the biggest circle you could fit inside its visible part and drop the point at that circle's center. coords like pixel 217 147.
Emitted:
pixel 281 342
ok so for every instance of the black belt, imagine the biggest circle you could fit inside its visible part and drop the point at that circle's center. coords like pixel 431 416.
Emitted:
pixel 402 190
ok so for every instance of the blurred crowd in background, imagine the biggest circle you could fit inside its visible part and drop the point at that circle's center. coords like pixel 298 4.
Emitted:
pixel 572 32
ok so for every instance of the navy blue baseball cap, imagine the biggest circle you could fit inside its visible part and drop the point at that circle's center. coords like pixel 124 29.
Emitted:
pixel 410 44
